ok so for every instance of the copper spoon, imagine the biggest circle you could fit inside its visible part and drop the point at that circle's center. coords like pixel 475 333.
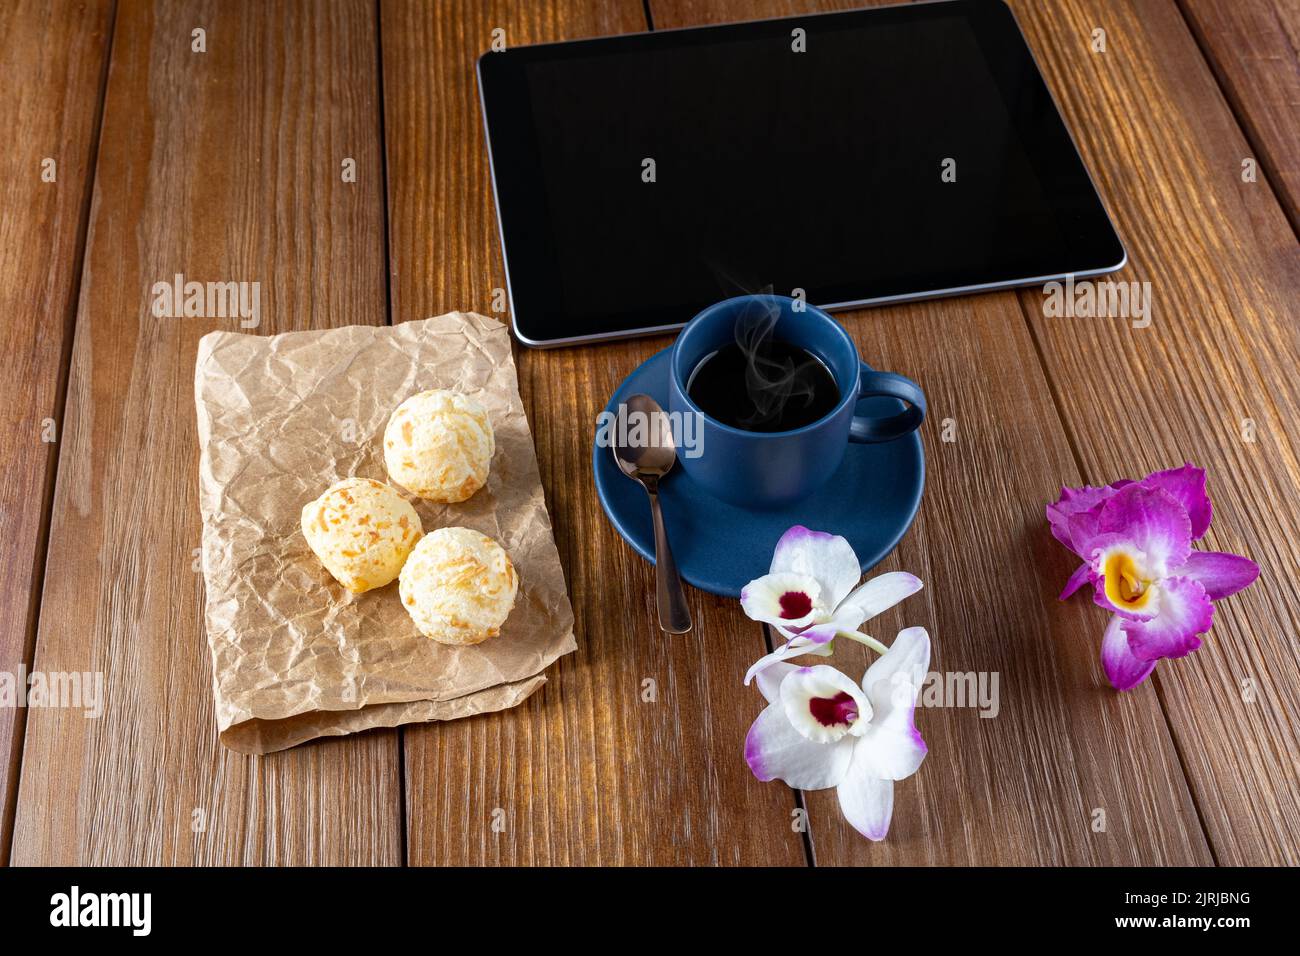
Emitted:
pixel 647 465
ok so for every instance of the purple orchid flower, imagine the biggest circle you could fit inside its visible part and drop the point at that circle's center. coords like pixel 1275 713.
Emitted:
pixel 1135 539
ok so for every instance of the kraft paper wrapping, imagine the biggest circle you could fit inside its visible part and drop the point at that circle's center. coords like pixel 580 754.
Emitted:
pixel 294 654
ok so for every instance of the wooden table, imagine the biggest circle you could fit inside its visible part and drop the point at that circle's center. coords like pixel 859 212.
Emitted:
pixel 226 164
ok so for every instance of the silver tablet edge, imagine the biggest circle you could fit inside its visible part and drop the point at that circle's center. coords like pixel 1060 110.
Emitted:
pixel 832 307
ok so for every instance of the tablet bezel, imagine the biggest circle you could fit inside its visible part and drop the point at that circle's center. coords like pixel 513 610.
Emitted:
pixel 501 83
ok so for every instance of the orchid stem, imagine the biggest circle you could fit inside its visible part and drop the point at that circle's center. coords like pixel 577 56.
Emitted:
pixel 866 639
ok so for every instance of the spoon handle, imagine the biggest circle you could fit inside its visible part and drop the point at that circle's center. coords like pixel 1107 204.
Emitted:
pixel 674 615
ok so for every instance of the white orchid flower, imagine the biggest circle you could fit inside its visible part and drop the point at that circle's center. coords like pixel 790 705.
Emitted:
pixel 808 595
pixel 821 730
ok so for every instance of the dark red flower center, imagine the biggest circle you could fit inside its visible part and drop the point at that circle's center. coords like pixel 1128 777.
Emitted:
pixel 795 604
pixel 831 711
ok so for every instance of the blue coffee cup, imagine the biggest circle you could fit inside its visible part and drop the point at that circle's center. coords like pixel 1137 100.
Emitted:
pixel 763 470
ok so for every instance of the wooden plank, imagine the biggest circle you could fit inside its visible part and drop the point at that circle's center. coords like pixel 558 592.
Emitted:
pixel 1023 787
pixel 1211 380
pixel 52 58
pixel 1254 48
pixel 586 771
pixel 222 165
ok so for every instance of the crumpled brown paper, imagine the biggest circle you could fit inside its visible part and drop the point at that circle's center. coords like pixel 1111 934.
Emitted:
pixel 281 418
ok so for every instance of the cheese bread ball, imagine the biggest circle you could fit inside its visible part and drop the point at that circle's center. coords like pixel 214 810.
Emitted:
pixel 458 586
pixel 439 445
pixel 362 530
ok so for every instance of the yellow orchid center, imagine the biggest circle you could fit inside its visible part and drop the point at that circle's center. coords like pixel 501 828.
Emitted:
pixel 1125 586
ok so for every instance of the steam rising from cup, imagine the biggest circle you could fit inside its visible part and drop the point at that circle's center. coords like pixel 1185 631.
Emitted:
pixel 770 383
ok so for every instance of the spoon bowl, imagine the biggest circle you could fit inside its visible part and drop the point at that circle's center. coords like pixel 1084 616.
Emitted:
pixel 657 456
pixel 647 461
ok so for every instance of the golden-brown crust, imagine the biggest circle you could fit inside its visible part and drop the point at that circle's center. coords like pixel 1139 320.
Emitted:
pixel 439 445
pixel 458 586
pixel 361 530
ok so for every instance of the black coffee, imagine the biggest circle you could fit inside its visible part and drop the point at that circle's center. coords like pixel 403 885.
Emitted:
pixel 772 386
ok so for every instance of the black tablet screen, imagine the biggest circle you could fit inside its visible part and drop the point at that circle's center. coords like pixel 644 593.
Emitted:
pixel 863 156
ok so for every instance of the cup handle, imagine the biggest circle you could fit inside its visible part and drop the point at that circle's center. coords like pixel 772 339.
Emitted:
pixel 887 385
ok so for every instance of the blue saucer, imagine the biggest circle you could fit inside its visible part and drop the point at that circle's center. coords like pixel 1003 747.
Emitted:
pixel 720 548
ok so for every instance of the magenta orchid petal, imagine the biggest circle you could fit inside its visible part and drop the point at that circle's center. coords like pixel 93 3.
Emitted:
pixel 1137 539
pixel 1074 502
pixel 866 801
pixel 1060 526
pixel 1123 670
pixel 1185 612
pixel 1077 580
pixel 1187 486
pixel 827 558
pixel 774 750
pixel 1084 498
pixel 1151 521
pixel 1220 573
pixel 1083 528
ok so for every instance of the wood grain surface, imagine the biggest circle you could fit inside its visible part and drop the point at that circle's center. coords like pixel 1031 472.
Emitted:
pixel 1211 380
pixel 53 58
pixel 223 165
pixel 1253 46
pixel 600 766
pixel 1024 786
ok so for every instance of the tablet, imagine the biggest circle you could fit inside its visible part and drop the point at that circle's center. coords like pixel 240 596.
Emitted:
pixel 850 159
